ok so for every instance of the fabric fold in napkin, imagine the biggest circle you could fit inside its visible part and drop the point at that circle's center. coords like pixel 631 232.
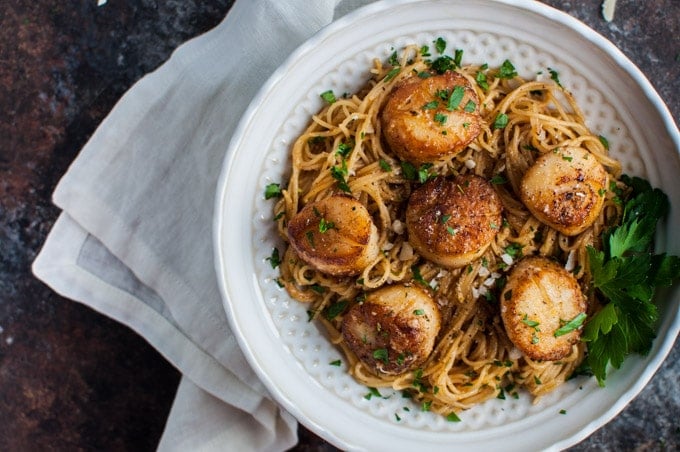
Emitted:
pixel 134 239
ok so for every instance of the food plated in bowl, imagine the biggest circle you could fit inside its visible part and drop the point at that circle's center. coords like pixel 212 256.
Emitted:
pixel 295 357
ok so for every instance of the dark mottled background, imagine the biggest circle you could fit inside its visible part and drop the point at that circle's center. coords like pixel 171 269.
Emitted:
pixel 71 379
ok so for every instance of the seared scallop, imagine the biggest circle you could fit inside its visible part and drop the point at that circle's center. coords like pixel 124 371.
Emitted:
pixel 393 330
pixel 452 222
pixel 564 189
pixel 428 119
pixel 539 299
pixel 335 235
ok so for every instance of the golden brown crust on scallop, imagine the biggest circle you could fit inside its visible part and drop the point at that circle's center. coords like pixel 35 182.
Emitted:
pixel 452 222
pixel 393 330
pixel 564 189
pixel 420 126
pixel 539 297
pixel 335 235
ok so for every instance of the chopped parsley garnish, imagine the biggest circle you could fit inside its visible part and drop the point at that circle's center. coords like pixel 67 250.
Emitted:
pixel 421 174
pixel 340 173
pixel 272 191
pixel 325 225
pixel 318 288
pixel 514 250
pixel 455 98
pixel 440 45
pixel 530 323
pixel 507 70
pixel 627 272
pixel 555 77
pixel 498 179
pixel 392 73
pixel 274 259
pixel 571 325
pixel 336 363
pixel 424 172
pixel 418 277
pixel 442 64
pixel 384 165
pixel 470 106
pixel 604 141
pixel 458 57
pixel 310 238
pixel 410 171
pixel 480 78
pixel 345 148
pixel 372 392
pixel 380 355
pixel 452 417
pixel 328 96
pixel 501 121
pixel 432 105
pixel 335 309
pixel 440 118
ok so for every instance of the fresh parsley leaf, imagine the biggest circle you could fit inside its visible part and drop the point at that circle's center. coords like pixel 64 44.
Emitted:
pixel 627 272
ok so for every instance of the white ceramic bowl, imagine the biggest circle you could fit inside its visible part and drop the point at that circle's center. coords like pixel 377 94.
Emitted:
pixel 292 355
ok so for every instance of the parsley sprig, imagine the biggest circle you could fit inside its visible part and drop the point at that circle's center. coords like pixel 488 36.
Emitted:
pixel 627 272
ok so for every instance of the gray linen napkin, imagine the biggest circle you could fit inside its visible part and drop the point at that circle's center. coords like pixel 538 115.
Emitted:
pixel 134 240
